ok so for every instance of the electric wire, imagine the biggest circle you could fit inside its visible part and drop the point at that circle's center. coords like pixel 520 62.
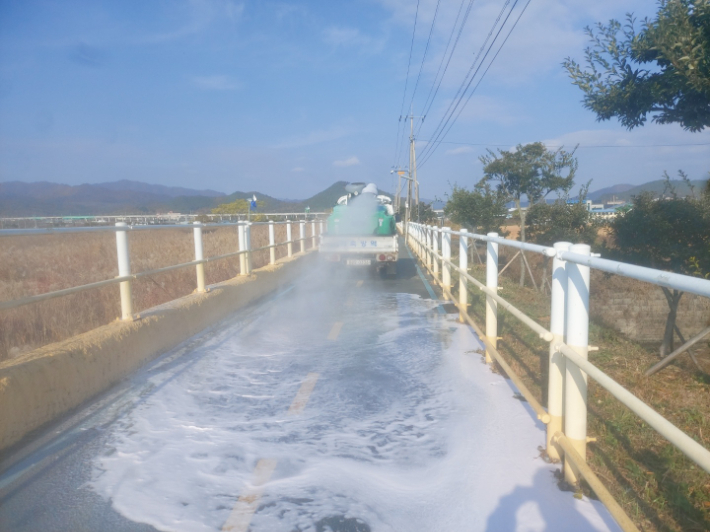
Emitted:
pixel 430 99
pixel 406 82
pixel 445 130
pixel 426 49
pixel 482 75
pixel 580 146
pixel 460 93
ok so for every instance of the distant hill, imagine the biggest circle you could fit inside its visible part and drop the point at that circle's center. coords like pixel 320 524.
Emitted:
pixel 657 188
pixel 159 190
pixel 18 199
pixel 605 194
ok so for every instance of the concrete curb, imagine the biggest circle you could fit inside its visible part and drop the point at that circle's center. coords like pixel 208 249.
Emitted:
pixel 45 384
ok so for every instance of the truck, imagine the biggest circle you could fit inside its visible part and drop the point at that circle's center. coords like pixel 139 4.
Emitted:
pixel 362 231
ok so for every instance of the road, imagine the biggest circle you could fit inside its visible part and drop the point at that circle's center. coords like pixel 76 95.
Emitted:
pixel 346 402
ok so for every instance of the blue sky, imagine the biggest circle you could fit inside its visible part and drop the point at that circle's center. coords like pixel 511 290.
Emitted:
pixel 288 97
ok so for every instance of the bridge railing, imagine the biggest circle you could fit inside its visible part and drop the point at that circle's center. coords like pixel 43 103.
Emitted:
pixel 125 278
pixel 568 337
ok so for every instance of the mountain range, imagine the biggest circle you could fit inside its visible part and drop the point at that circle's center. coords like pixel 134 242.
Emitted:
pixel 19 199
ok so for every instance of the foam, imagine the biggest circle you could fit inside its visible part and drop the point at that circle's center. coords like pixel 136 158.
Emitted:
pixel 404 431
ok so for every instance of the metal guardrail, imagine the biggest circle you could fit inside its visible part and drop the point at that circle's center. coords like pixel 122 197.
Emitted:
pixel 125 277
pixel 152 219
pixel 568 336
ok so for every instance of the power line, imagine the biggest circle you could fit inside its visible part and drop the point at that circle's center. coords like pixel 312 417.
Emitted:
pixel 580 146
pixel 435 146
pixel 426 49
pixel 468 79
pixel 429 102
pixel 406 82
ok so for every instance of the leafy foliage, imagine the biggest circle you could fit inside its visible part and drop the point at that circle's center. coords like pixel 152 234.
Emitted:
pixel 664 234
pixel 481 210
pixel 531 170
pixel 562 222
pixel 663 69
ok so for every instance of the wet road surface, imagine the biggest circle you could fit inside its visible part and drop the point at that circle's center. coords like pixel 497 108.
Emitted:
pixel 346 402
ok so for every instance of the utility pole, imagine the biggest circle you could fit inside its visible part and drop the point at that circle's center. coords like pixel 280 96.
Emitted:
pixel 412 183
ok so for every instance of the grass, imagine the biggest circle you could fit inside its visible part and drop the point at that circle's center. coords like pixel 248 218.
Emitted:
pixel 656 484
pixel 38 264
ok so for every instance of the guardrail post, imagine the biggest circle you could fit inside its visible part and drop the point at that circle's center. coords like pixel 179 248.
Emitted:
pixel 322 229
pixel 302 228
pixel 199 268
pixel 272 243
pixel 556 373
pixel 445 262
pixel 124 268
pixel 491 304
pixel 463 267
pixel 577 338
pixel 428 245
pixel 313 234
pixel 247 232
pixel 289 239
pixel 435 251
pixel 241 232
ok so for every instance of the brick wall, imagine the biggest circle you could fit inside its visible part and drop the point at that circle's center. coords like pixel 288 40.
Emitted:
pixel 639 310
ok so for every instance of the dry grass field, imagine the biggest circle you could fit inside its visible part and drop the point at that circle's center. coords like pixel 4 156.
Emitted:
pixel 38 264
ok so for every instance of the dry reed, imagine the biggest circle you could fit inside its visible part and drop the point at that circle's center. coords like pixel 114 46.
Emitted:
pixel 37 264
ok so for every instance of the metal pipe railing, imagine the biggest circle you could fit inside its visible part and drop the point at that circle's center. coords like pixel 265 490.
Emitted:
pixel 692 449
pixel 569 322
pixel 125 276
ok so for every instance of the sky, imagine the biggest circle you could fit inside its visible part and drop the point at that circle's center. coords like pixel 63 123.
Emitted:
pixel 288 97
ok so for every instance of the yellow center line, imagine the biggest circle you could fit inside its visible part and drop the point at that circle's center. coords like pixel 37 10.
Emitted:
pixel 248 502
pixel 304 393
pixel 359 283
pixel 349 302
pixel 335 330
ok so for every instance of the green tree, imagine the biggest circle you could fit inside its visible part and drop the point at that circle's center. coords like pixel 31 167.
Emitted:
pixel 533 171
pixel 671 234
pixel 662 70
pixel 562 221
pixel 481 210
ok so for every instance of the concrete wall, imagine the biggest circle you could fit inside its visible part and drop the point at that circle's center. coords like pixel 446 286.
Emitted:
pixel 639 310
pixel 45 384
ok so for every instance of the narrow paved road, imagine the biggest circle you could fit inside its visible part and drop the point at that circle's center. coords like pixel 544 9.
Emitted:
pixel 347 402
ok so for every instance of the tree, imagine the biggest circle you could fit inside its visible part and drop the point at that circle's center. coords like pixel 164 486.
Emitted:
pixel 562 221
pixel 481 210
pixel 421 213
pixel 668 234
pixel 533 171
pixel 663 69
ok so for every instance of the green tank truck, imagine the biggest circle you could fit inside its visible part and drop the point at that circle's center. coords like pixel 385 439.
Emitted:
pixel 362 230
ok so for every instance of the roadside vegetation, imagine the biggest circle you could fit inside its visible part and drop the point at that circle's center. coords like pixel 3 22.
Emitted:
pixel 657 486
pixel 37 264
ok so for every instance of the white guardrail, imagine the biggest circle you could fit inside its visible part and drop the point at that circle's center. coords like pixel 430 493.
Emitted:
pixel 568 335
pixel 125 277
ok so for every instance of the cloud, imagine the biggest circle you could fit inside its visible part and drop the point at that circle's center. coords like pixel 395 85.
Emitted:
pixel 350 161
pixel 314 137
pixel 460 150
pixel 201 14
pixel 298 169
pixel 216 83
pixel 352 37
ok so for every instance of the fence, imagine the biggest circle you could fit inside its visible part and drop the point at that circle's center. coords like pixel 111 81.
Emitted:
pixel 568 337
pixel 125 277
pixel 148 219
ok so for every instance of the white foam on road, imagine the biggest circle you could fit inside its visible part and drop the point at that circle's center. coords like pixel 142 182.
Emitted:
pixel 404 430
